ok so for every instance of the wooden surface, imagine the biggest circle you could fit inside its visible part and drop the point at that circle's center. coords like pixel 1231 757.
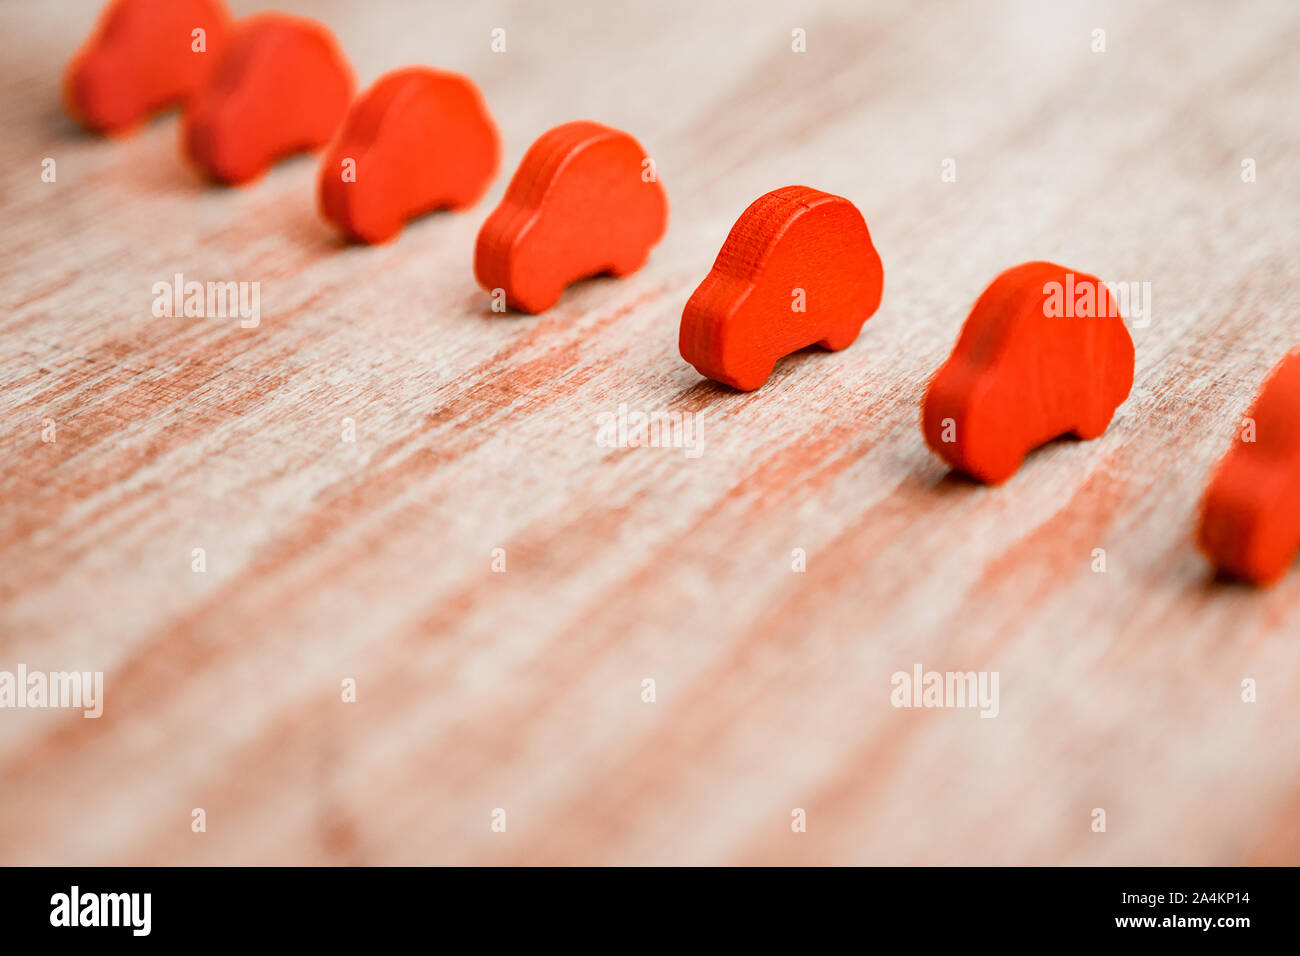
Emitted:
pixel 372 559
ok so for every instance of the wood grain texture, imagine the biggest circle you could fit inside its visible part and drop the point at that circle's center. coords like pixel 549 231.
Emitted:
pixel 521 690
